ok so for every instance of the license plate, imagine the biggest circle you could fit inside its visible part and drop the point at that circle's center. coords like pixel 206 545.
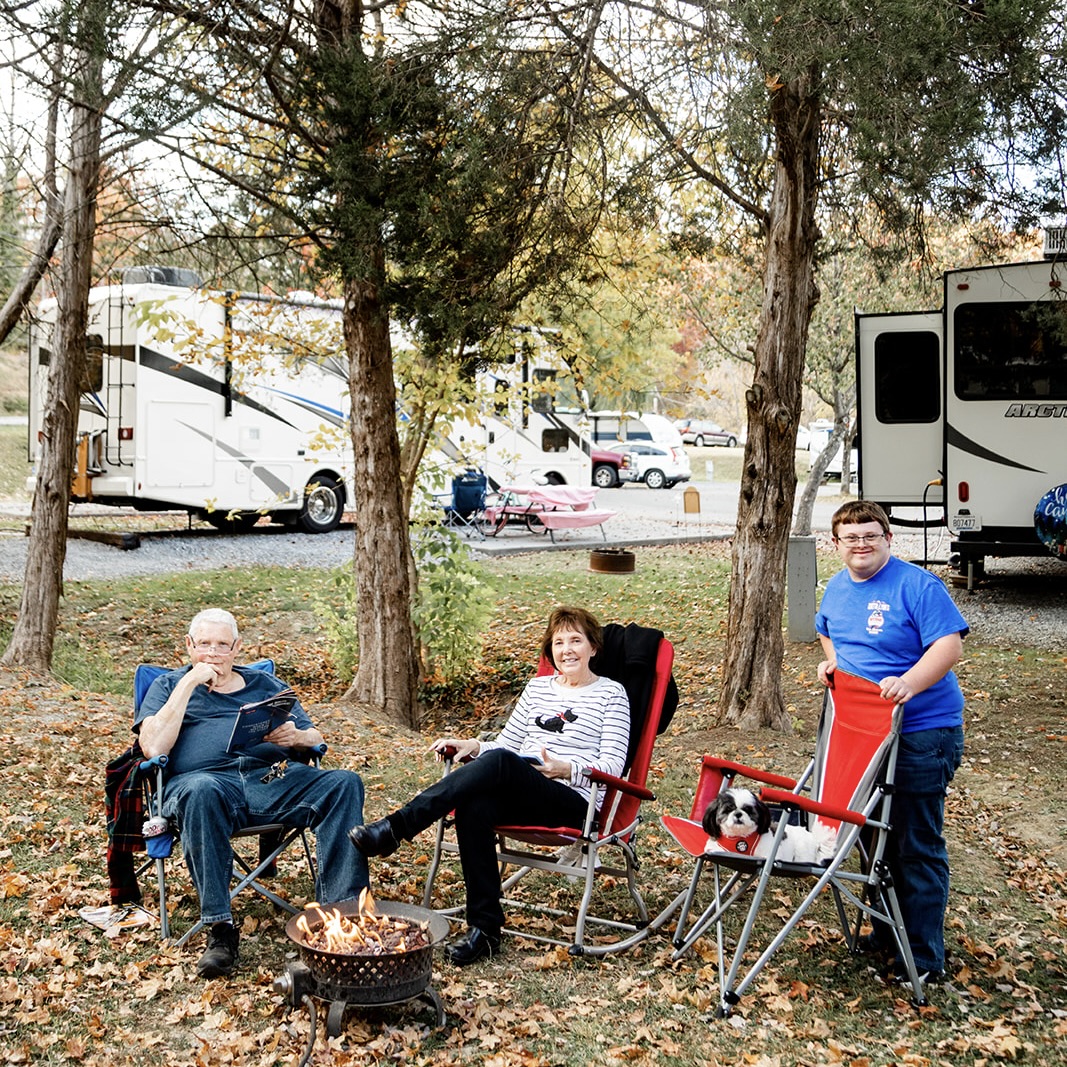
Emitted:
pixel 966 523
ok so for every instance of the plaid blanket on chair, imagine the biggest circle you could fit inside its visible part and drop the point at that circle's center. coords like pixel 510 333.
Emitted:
pixel 124 804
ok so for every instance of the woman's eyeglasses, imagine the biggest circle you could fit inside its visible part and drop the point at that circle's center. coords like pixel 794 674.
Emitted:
pixel 851 540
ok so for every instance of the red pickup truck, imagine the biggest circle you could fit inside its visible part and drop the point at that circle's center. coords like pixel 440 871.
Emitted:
pixel 606 467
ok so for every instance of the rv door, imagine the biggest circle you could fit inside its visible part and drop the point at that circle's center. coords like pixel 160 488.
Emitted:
pixel 900 399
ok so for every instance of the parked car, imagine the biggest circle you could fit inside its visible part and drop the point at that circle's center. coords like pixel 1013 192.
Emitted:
pixel 701 432
pixel 609 468
pixel 658 466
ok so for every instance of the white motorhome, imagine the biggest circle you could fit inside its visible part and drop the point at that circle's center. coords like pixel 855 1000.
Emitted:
pixel 964 411
pixel 521 435
pixel 227 406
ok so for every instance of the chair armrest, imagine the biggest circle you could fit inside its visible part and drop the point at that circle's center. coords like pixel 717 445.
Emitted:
pixel 624 785
pixel 750 772
pixel 151 764
pixel 813 807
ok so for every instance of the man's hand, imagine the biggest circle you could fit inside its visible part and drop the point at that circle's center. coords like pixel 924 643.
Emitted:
pixel 286 735
pixel 204 673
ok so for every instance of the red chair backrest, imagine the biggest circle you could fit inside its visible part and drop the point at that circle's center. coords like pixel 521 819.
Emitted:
pixel 856 732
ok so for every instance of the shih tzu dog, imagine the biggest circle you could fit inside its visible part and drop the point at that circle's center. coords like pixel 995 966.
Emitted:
pixel 738 821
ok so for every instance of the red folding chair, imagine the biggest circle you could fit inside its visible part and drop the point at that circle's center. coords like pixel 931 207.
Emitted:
pixel 847 785
pixel 605 846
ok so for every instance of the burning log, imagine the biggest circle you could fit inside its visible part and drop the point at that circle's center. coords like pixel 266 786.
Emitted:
pixel 364 933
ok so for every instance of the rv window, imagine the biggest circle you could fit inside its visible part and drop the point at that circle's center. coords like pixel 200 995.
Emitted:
pixel 93 376
pixel 907 377
pixel 543 392
pixel 1011 351
pixel 500 399
pixel 554 440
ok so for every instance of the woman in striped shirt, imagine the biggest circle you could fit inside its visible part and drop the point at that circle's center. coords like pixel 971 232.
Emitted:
pixel 534 773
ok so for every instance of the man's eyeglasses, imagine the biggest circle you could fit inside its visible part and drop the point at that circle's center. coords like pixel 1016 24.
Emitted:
pixel 216 647
pixel 859 539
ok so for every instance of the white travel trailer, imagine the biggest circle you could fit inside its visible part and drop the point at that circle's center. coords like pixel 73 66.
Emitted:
pixel 964 411
pixel 229 406
pixel 521 435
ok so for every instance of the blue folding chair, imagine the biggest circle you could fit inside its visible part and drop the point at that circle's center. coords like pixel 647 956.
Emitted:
pixel 465 512
pixel 273 838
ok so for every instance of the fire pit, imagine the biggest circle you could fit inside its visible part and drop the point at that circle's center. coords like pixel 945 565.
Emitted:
pixel 363 954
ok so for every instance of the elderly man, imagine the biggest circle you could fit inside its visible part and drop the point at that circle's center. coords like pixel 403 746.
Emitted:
pixel 188 715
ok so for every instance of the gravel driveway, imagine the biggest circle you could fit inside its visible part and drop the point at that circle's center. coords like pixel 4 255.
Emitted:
pixel 1021 601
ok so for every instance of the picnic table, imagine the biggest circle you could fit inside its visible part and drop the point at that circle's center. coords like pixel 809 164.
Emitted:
pixel 544 508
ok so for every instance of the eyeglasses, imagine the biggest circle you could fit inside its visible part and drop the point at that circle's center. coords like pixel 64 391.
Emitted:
pixel 217 648
pixel 851 540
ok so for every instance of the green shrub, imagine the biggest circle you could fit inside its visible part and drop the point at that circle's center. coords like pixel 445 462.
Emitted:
pixel 454 603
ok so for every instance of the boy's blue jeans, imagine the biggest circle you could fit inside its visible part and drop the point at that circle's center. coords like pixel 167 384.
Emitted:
pixel 210 805
pixel 916 850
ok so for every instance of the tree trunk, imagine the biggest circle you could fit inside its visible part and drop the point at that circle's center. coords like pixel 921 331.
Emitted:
pixel 34 634
pixel 752 693
pixel 387 677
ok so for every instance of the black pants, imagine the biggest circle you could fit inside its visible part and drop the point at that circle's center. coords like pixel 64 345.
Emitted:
pixel 496 789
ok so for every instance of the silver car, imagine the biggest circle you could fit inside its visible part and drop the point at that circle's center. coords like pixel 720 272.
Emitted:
pixel 701 432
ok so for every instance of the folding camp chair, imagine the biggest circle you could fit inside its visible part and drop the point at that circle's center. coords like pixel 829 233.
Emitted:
pixel 587 853
pixel 465 512
pixel 848 785
pixel 273 838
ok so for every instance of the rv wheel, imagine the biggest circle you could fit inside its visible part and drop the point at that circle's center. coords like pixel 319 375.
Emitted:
pixel 324 503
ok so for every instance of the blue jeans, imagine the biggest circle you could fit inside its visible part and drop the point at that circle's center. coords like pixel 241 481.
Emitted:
pixel 208 806
pixel 915 848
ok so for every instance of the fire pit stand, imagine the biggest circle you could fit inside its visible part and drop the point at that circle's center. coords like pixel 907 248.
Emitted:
pixel 362 981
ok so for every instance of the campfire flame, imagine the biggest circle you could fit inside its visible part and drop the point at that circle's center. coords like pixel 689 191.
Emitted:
pixel 364 934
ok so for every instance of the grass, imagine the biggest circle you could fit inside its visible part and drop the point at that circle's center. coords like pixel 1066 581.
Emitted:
pixel 71 996
pixel 14 466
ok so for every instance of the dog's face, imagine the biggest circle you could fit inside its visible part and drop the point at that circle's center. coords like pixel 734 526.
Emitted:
pixel 736 813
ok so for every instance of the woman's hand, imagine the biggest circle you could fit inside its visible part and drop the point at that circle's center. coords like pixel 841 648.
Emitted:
pixel 554 768
pixel 463 748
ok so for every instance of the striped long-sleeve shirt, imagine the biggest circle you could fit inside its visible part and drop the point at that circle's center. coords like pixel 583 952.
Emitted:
pixel 588 726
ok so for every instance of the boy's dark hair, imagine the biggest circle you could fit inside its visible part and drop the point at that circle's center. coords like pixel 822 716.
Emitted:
pixel 857 512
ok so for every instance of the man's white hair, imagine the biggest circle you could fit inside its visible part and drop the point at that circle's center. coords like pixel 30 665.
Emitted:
pixel 211 616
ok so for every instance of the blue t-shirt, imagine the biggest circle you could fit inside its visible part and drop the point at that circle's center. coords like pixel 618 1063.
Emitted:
pixel 883 626
pixel 209 719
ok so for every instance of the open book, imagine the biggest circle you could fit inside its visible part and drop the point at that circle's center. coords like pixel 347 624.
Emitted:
pixel 255 721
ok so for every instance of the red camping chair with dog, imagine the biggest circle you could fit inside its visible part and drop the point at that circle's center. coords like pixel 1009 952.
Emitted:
pixel 848 787
pixel 606 845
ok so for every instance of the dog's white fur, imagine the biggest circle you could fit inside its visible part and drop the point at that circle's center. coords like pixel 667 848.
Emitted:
pixel 739 812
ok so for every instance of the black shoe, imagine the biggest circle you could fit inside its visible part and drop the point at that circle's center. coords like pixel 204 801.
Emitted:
pixel 900 976
pixel 221 955
pixel 475 946
pixel 374 839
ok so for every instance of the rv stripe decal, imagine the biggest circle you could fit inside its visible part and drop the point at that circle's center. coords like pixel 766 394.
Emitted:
pixel 954 439
pixel 271 481
pixel 332 415
pixel 169 365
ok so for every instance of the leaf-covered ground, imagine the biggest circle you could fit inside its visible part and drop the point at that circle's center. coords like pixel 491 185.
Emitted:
pixel 71 995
